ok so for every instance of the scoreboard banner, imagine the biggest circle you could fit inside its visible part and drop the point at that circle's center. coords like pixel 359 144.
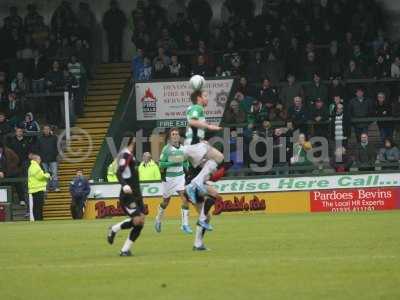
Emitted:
pixel 167 101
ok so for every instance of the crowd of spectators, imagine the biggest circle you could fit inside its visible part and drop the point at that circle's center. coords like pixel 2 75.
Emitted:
pixel 302 65
pixel 38 60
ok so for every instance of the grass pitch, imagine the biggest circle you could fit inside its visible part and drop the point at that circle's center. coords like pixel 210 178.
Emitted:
pixel 306 256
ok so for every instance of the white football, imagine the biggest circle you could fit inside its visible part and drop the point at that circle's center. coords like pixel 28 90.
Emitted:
pixel 197 82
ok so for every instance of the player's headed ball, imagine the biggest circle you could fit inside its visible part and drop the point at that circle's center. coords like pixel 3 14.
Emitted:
pixel 197 82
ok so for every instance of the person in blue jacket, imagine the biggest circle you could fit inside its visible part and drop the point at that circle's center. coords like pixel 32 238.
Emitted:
pixel 80 190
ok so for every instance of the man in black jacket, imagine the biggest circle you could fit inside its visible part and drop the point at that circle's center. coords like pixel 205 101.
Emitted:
pixel 48 150
pixel 114 22
pixel 21 146
pixel 5 127
pixel 365 154
pixel 361 107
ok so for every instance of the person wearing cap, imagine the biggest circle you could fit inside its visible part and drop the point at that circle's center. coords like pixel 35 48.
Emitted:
pixel 37 184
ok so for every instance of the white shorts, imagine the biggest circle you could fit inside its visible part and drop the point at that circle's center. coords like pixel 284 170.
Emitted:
pixel 171 185
pixel 195 153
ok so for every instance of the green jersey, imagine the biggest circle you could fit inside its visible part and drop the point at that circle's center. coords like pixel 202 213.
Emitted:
pixel 173 160
pixel 193 134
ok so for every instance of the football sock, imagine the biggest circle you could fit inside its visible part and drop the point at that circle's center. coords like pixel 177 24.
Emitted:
pixel 209 167
pixel 198 242
pixel 185 215
pixel 135 232
pixel 202 216
pixel 125 224
pixel 160 213
pixel 127 245
pixel 210 201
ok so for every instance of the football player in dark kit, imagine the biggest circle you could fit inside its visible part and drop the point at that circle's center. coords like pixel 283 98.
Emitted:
pixel 130 197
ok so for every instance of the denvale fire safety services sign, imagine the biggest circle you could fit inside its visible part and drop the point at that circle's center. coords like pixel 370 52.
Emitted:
pixel 167 101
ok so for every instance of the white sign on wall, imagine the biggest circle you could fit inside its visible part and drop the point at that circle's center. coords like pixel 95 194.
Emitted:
pixel 167 102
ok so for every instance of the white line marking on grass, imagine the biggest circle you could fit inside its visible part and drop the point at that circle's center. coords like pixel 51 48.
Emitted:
pixel 188 261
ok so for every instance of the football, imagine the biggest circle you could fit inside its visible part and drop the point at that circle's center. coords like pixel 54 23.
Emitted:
pixel 197 82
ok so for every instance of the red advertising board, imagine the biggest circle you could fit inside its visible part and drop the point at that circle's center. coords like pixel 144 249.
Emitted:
pixel 347 200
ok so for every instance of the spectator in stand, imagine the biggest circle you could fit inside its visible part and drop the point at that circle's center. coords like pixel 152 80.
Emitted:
pixel 274 68
pixel 80 190
pixel 87 21
pixel 54 78
pixel 166 60
pixel 38 69
pixel 268 95
pixel 176 69
pixel 114 22
pixel 336 88
pixel 320 116
pixel 353 71
pixel 300 157
pixel 381 68
pixel 333 60
pixel 243 86
pixel 383 110
pixel 297 115
pixel 77 70
pixel 62 20
pixel 341 161
pixel 361 107
pixel 256 68
pixel 340 128
pixel 8 162
pixel 21 147
pixel 47 147
pixel 310 67
pixel 200 68
pixel 160 71
pixel 13 21
pixel 234 113
pixel 138 63
pixel 316 90
pixel 389 154
pixel 29 125
pixel 359 58
pixel 147 71
pixel 256 115
pixel 148 169
pixel 292 58
pixel 365 154
pixel 5 127
pixel 20 87
pixel 396 114
pixel 200 11
pixel 32 18
pixel 395 68
pixel 37 182
pixel 290 90
pixel 175 9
